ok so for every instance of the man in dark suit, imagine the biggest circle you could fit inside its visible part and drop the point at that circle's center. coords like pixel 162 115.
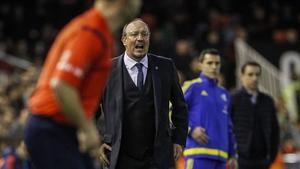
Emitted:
pixel 254 120
pixel 138 132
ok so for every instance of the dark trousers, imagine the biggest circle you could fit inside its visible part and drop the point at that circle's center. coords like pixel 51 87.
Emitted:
pixel 241 166
pixel 126 161
pixel 52 145
pixel 253 164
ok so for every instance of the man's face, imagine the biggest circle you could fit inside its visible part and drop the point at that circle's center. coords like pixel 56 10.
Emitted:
pixel 210 66
pixel 136 40
pixel 250 77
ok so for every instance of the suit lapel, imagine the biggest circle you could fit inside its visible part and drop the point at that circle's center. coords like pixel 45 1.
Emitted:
pixel 117 84
pixel 156 80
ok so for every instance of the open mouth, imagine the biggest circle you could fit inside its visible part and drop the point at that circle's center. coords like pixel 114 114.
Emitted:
pixel 139 46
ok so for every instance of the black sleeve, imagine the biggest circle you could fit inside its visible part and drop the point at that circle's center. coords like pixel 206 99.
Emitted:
pixel 179 115
pixel 274 133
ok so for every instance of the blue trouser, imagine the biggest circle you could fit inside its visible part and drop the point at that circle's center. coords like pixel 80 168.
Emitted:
pixel 52 145
pixel 204 163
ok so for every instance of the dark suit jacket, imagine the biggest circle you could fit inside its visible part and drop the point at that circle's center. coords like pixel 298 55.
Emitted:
pixel 166 89
pixel 243 118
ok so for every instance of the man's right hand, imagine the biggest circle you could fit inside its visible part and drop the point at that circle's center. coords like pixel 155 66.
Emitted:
pixel 200 135
pixel 103 151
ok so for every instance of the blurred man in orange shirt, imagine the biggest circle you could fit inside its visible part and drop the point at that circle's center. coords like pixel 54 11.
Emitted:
pixel 60 133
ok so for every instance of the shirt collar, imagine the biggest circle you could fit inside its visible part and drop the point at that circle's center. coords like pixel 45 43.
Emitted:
pixel 250 93
pixel 130 63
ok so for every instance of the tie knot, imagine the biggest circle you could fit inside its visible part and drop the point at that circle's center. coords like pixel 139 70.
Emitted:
pixel 139 66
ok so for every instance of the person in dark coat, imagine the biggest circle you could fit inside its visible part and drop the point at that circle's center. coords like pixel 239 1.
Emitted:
pixel 255 123
pixel 139 133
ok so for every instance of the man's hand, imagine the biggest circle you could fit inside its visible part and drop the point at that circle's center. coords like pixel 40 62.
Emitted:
pixel 177 151
pixel 104 148
pixel 88 138
pixel 233 164
pixel 200 135
pixel 68 98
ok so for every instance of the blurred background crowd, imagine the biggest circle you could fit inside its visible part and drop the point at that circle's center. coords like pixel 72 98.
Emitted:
pixel 180 29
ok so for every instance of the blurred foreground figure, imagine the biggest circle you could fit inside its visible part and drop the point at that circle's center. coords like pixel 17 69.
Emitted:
pixel 60 133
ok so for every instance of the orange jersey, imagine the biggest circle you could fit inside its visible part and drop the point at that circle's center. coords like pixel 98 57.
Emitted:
pixel 81 56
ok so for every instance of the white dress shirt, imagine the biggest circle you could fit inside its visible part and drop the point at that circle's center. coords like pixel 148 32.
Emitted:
pixel 133 70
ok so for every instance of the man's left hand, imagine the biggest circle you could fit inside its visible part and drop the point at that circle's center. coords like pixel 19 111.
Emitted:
pixel 233 164
pixel 177 151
